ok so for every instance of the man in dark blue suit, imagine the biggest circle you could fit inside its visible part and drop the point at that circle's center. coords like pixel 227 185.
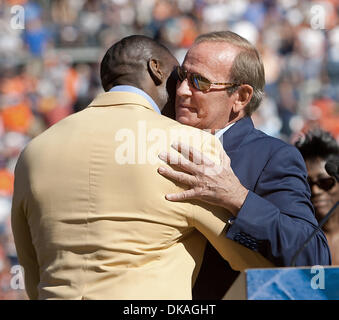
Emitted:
pixel 262 181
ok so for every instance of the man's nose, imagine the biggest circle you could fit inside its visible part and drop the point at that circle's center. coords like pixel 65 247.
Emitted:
pixel 316 190
pixel 183 88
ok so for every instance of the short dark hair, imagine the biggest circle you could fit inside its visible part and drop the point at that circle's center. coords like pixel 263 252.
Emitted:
pixel 128 58
pixel 247 67
pixel 317 143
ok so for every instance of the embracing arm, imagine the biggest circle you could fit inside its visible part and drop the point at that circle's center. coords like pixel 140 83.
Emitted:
pixel 275 219
pixel 208 218
pixel 211 222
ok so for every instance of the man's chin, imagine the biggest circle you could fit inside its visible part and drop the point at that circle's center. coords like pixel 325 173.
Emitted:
pixel 185 120
pixel 321 212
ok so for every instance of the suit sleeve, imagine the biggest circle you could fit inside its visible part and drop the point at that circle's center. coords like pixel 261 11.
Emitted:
pixel 21 232
pixel 278 216
pixel 211 222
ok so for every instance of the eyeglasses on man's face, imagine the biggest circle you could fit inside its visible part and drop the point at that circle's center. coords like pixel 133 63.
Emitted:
pixel 325 184
pixel 199 82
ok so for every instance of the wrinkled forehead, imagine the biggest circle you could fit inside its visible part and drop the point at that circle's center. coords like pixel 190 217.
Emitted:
pixel 211 57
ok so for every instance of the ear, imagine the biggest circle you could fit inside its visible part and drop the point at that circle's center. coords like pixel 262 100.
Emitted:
pixel 244 96
pixel 155 71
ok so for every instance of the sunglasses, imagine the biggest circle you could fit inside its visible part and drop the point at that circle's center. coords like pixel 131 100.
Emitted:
pixel 325 184
pixel 199 82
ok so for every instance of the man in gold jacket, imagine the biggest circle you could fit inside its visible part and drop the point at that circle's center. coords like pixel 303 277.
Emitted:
pixel 89 216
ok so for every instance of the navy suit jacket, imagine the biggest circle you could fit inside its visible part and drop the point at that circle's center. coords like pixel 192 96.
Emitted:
pixel 277 215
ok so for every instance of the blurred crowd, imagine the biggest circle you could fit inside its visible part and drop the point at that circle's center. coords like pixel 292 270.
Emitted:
pixel 50 50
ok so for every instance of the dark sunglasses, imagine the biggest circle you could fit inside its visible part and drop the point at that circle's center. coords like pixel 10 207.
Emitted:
pixel 199 82
pixel 325 184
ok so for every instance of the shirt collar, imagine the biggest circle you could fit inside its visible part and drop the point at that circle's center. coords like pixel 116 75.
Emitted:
pixel 127 88
pixel 219 133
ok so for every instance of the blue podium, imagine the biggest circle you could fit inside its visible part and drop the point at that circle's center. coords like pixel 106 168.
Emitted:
pixel 301 283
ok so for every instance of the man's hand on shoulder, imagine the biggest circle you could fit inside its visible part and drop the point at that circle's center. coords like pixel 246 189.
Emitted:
pixel 209 182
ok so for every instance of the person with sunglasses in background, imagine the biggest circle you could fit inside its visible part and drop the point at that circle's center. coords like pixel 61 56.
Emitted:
pixel 262 183
pixel 317 147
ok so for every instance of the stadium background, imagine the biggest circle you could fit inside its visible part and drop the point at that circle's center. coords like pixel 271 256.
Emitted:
pixel 49 68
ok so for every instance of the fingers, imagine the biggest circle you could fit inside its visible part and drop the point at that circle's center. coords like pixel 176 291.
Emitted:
pixel 188 152
pixel 185 195
pixel 191 154
pixel 180 177
pixel 178 161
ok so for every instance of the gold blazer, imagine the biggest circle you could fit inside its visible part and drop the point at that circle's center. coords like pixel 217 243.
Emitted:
pixel 89 216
